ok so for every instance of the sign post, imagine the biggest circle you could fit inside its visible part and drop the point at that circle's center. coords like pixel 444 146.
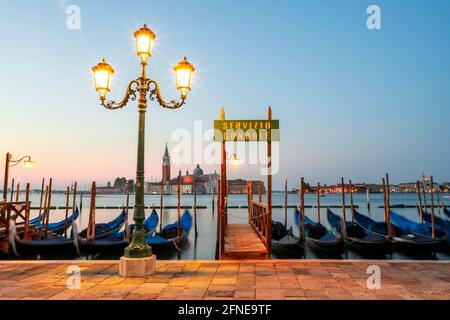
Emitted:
pixel 245 131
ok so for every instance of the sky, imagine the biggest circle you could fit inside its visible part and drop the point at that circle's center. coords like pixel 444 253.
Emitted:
pixel 351 102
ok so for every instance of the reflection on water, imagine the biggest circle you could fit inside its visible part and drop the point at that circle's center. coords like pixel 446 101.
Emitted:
pixel 202 246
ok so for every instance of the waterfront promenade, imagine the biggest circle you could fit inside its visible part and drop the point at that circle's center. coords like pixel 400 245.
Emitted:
pixel 274 279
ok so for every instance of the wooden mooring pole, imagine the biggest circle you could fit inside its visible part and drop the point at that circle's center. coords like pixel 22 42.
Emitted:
pixel 420 200
pixel 127 205
pixel 74 198
pixel 318 202
pixel 269 187
pixel 218 221
pixel 388 201
pixel 161 205
pixel 67 211
pixel 439 201
pixel 285 202
pixel 433 231
pixel 12 190
pixel 18 192
pixel 27 211
pixel 424 197
pixel 47 217
pixel 344 216
pixel 179 207
pixel 351 201
pixel 41 199
pixel 302 208
pixel 195 207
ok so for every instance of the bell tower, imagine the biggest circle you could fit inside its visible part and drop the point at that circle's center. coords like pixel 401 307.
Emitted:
pixel 166 167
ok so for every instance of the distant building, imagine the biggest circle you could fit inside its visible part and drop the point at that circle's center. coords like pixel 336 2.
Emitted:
pixel 239 186
pixel 408 187
pixel 197 180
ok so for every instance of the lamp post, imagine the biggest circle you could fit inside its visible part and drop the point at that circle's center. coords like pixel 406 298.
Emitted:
pixel 12 163
pixel 141 86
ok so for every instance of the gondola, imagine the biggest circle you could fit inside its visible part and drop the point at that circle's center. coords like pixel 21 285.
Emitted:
pixel 401 238
pixel 56 227
pixel 53 245
pixel 317 237
pixel 116 242
pixel 442 223
pixel 283 239
pixel 103 230
pixel 447 212
pixel 421 229
pixel 357 237
pixel 168 237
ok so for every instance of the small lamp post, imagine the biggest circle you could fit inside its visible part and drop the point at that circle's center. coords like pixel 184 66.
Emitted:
pixel 140 87
pixel 12 163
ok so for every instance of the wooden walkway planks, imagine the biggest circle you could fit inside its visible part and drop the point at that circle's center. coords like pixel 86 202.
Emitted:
pixel 242 242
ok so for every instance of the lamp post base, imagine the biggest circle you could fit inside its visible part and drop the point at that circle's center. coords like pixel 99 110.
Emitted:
pixel 137 267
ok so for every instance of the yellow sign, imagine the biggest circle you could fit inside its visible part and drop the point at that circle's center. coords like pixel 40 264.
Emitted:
pixel 246 130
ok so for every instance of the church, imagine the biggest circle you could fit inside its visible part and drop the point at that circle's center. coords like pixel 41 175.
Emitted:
pixel 203 183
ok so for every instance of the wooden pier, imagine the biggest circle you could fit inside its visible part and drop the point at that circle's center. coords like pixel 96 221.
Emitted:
pixel 242 242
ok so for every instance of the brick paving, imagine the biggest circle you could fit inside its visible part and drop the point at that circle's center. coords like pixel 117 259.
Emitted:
pixel 227 280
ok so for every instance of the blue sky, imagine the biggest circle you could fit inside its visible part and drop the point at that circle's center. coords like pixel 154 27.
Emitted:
pixel 351 102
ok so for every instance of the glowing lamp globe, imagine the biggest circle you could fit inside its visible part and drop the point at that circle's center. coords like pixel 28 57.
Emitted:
pixel 184 71
pixel 235 161
pixel 144 41
pixel 102 78
pixel 29 164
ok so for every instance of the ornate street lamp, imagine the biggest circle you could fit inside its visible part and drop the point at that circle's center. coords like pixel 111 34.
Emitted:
pixel 142 86
pixel 12 163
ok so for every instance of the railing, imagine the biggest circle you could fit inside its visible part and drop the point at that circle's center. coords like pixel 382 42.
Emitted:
pixel 259 219
pixel 13 211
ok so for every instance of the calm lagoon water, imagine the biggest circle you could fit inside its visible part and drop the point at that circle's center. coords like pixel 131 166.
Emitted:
pixel 202 246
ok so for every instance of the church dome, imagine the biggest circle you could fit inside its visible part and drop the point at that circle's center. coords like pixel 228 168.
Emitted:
pixel 198 171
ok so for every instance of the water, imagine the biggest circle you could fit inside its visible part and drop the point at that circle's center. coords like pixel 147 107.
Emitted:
pixel 202 246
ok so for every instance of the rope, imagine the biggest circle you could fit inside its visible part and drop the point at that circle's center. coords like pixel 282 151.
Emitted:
pixel 245 218
pixel 175 244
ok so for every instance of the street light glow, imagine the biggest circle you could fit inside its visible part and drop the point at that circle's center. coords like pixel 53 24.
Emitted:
pixel 29 164
pixel 102 78
pixel 235 161
pixel 184 71
pixel 144 40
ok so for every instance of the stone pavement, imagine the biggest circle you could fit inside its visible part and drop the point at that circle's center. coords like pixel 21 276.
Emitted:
pixel 272 279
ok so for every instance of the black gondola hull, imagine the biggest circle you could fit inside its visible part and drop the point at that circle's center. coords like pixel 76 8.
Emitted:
pixel 32 247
